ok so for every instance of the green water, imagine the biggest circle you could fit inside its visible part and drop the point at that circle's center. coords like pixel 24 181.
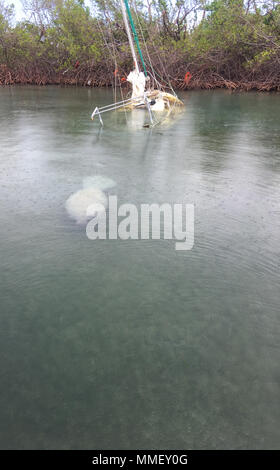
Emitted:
pixel 130 344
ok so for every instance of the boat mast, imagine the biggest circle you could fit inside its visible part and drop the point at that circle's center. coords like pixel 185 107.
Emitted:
pixel 129 36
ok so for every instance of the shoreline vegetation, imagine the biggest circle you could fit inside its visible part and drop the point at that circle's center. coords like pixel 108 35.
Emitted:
pixel 188 44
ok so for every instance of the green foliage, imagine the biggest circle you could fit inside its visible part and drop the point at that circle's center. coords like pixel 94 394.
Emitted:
pixel 231 37
pixel 224 28
pixel 72 35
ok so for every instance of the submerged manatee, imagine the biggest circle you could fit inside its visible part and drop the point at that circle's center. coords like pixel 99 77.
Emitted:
pixel 82 205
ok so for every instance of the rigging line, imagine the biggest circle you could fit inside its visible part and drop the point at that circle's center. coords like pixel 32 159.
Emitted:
pixel 116 65
pixel 114 53
pixel 122 98
pixel 114 56
pixel 164 69
pixel 105 41
pixel 168 83
pixel 117 77
pixel 114 83
pixel 165 72
pixel 135 36
pixel 145 44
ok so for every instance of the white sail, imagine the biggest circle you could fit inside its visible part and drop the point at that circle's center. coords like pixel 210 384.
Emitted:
pixel 138 82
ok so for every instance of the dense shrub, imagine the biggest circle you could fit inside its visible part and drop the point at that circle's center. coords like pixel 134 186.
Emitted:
pixel 225 43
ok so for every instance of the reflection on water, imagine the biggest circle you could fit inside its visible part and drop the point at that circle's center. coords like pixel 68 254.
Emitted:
pixel 115 344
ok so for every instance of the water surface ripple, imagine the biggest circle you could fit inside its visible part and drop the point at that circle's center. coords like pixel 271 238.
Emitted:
pixel 115 344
